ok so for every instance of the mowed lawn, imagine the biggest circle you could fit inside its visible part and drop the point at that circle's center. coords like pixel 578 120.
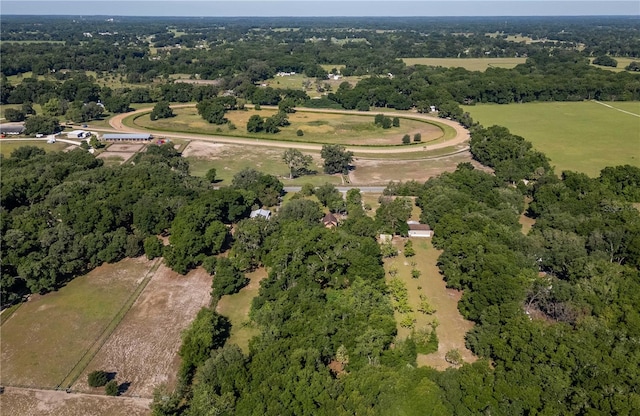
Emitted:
pixel 471 64
pixel 578 136
pixel 236 307
pixel 46 336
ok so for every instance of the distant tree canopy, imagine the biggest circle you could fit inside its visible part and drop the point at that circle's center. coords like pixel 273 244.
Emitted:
pixel 605 60
pixel 161 110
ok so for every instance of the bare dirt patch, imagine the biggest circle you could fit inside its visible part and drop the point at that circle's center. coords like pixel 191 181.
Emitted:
pixel 53 403
pixel 142 351
pixel 126 148
pixel 116 156
pixel 203 149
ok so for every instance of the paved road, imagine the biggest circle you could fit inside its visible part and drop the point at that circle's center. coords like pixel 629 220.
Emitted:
pixel 344 189
pixel 462 134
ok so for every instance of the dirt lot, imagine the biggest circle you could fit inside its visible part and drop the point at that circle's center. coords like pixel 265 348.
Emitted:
pixel 203 149
pixel 142 351
pixel 54 403
pixel 125 147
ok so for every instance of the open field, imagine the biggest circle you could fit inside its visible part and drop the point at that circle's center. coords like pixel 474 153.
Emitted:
pixel 236 307
pixel 142 351
pixel 229 159
pixel 452 326
pixel 6 146
pixel 380 171
pixel 345 129
pixel 579 136
pixel 308 85
pixel 57 403
pixel 63 325
pixel 472 64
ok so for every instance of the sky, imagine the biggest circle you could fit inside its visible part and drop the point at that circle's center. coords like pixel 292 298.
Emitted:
pixel 320 8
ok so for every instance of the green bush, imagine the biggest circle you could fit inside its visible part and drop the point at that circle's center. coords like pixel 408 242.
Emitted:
pixel 111 388
pixel 97 378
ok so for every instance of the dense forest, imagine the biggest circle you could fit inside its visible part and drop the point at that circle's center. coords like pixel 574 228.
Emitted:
pixel 556 310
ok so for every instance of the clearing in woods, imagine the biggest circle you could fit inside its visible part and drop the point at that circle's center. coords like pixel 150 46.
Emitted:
pixel 471 64
pixel 236 307
pixel 452 327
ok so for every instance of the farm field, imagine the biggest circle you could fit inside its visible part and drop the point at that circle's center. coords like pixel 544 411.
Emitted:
pixel 142 351
pixel 345 129
pixel 452 327
pixel 63 325
pixel 579 136
pixel 471 64
pixel 236 307
pixel 623 62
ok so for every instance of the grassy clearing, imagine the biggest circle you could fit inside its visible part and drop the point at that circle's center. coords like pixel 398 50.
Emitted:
pixel 471 64
pixel 230 159
pixel 622 64
pixel 236 307
pixel 308 85
pixel 345 129
pixel 451 327
pixel 6 147
pixel 579 136
pixel 45 338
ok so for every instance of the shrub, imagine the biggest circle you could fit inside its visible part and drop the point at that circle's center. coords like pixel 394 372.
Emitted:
pixel 406 139
pixel 396 122
pixel 111 388
pixel 417 137
pixel 97 378
pixel 299 133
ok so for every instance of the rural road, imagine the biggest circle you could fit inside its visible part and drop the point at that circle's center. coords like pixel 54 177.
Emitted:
pixel 462 134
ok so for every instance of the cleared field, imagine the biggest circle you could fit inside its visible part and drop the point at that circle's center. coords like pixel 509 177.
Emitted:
pixel 452 327
pixel 229 159
pixel 56 403
pixel 381 171
pixel 236 307
pixel 45 337
pixel 472 64
pixel 579 136
pixel 6 146
pixel 345 129
pixel 142 351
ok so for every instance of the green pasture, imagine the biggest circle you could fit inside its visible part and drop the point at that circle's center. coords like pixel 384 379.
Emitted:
pixel 471 64
pixel 578 136
pixel 321 128
pixel 6 147
pixel 45 337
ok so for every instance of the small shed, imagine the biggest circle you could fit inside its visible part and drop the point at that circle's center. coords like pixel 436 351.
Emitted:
pixel 264 213
pixel 419 230
pixel 330 220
